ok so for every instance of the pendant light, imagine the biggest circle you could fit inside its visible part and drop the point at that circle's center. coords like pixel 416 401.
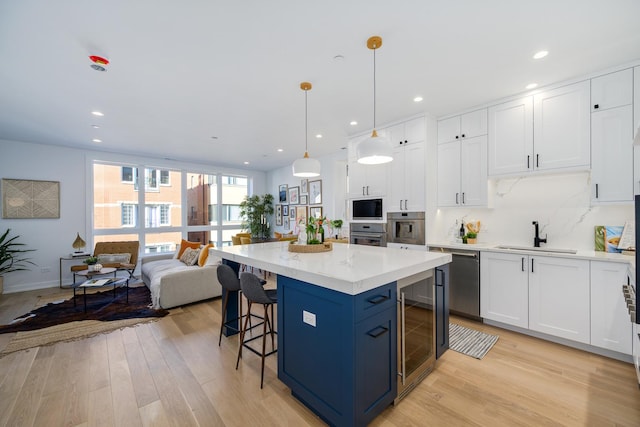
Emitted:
pixel 306 167
pixel 375 149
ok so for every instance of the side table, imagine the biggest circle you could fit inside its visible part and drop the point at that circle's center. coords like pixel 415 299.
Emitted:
pixel 66 258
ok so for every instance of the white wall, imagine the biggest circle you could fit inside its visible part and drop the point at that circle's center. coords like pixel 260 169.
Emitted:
pixel 333 174
pixel 52 238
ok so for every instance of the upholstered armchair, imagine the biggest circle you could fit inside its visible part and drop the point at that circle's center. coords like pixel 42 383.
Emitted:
pixel 119 255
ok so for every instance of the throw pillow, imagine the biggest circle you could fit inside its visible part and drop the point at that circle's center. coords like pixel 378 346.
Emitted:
pixel 114 258
pixel 184 244
pixel 190 256
pixel 204 254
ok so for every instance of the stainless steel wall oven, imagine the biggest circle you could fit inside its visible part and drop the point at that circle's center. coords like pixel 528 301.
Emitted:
pixel 371 234
pixel 406 227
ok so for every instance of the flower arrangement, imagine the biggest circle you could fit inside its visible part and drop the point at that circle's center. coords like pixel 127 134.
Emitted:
pixel 472 234
pixel 315 230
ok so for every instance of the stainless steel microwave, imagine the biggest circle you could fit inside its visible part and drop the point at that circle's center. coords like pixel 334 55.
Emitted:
pixel 367 209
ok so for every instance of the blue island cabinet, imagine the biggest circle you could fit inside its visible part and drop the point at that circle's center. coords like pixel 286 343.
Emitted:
pixel 338 352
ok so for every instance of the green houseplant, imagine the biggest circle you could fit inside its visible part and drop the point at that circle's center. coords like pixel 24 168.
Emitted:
pixel 12 256
pixel 255 212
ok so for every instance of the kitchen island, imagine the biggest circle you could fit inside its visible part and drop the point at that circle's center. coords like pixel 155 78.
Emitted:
pixel 337 322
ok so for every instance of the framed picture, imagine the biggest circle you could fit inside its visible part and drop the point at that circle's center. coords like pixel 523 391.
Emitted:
pixel 315 211
pixel 304 186
pixel 285 210
pixel 278 215
pixel 294 195
pixel 315 192
pixel 301 216
pixel 25 198
pixel 282 193
pixel 304 199
pixel 285 222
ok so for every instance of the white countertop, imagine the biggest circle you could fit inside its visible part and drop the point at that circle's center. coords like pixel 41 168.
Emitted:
pixel 580 254
pixel 350 269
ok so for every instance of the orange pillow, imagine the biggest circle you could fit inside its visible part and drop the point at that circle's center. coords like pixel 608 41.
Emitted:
pixel 204 254
pixel 187 244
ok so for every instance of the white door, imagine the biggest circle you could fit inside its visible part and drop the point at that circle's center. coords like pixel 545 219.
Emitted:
pixel 612 155
pixel 561 128
pixel 504 288
pixel 415 179
pixel 510 145
pixel 449 174
pixel 610 325
pixel 559 297
pixel 397 190
pixel 473 171
pixel 415 130
pixel 612 90
pixel 473 124
pixel 449 129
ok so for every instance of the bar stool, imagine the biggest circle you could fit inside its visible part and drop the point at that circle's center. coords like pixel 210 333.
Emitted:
pixel 230 283
pixel 255 293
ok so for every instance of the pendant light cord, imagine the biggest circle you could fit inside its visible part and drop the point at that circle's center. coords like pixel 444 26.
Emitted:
pixel 374 89
pixel 306 131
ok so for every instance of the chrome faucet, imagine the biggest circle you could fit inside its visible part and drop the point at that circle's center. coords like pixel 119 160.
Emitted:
pixel 537 240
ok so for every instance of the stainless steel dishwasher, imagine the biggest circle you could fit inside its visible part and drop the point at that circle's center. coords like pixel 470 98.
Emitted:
pixel 464 281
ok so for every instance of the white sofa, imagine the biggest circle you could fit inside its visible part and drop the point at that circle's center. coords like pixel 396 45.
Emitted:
pixel 172 283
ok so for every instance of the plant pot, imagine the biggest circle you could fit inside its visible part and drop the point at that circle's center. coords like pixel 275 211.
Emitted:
pixel 91 267
pixel 471 241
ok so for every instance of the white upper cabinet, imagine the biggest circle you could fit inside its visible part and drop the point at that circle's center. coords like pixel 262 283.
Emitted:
pixel 407 170
pixel 468 125
pixel 462 172
pixel 612 138
pixel 561 128
pixel 612 90
pixel 365 180
pixel 510 147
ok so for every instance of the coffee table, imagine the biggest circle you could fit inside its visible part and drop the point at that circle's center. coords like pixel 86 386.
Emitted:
pixel 89 275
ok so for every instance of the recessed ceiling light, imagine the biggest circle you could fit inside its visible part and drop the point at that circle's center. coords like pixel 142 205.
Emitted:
pixel 338 58
pixel 96 140
pixel 95 126
pixel 353 123
pixel 531 86
pixel 280 150
pixel 541 54
pixel 417 99
pixel 319 136
pixel 214 137
pixel 246 163
pixel 97 113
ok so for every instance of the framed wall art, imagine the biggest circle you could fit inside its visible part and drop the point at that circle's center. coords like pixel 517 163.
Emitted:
pixel 278 215
pixel 301 216
pixel 294 195
pixel 315 192
pixel 285 222
pixel 304 199
pixel 304 186
pixel 285 210
pixel 315 211
pixel 30 199
pixel 282 193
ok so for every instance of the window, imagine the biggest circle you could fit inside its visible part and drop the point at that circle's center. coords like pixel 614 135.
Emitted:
pixel 128 215
pixel 165 177
pixel 157 215
pixel 151 179
pixel 129 174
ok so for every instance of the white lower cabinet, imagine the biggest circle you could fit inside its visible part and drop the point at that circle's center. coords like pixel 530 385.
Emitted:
pixel 610 324
pixel 408 247
pixel 559 297
pixel 504 287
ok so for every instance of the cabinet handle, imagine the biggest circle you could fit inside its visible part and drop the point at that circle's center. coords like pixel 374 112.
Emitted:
pixel 463 198
pixel 532 265
pixel 463 135
pixel 405 141
pixel 537 160
pixel 377 331
pixel 457 199
pixel 377 299
pixel 528 158
pixel 596 106
pixel 522 263
pixel 400 204
pixel 363 191
pixel 457 137
pixel 367 190
pixel 596 191
pixel 405 204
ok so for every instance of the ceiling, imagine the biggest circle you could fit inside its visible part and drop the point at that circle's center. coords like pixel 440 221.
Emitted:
pixel 217 81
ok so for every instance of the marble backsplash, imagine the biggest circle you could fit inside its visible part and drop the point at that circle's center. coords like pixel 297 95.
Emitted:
pixel 561 203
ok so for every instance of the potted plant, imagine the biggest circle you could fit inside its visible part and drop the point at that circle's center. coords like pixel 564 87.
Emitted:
pixel 12 256
pixel 91 263
pixel 255 212
pixel 336 224
pixel 471 237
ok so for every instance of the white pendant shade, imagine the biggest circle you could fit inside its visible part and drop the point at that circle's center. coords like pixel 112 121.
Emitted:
pixel 374 150
pixel 306 167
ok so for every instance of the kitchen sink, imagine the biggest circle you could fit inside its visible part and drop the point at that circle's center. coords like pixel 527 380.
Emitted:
pixel 547 250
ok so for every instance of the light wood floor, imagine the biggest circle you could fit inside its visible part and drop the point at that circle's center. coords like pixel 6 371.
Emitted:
pixel 172 373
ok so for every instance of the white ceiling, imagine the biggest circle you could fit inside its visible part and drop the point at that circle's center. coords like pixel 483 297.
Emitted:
pixel 182 72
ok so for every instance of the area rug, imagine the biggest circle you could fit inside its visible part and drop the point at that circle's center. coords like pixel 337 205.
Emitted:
pixel 470 342
pixel 61 321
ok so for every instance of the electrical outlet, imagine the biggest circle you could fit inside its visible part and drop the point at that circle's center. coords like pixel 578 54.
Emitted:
pixel 45 270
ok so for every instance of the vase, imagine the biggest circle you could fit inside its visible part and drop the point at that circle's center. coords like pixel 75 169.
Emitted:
pixel 91 267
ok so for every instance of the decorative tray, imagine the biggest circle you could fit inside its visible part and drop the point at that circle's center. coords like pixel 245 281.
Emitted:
pixel 321 247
